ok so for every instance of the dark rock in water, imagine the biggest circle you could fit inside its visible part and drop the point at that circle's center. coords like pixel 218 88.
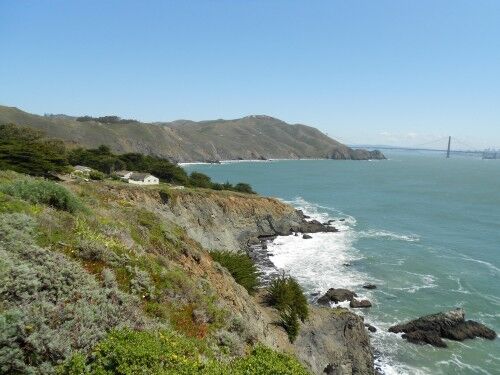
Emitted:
pixel 314 294
pixel 313 226
pixel 370 328
pixel 347 264
pixel 370 286
pixel 331 221
pixel 306 237
pixel 357 304
pixel 431 329
pixel 295 234
pixel 336 295
pixel 341 219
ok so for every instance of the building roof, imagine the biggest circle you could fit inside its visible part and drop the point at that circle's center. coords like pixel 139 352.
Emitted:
pixel 122 173
pixel 139 176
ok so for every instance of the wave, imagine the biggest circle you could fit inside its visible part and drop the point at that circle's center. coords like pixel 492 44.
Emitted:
pixel 455 363
pixel 389 235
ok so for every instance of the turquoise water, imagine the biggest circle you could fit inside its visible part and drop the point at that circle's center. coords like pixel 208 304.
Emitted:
pixel 425 229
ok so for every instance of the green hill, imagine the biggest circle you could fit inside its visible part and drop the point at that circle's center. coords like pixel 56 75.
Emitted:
pixel 251 137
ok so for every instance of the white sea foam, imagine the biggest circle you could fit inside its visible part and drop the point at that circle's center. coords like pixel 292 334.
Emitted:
pixel 389 235
pixel 319 263
pixel 455 362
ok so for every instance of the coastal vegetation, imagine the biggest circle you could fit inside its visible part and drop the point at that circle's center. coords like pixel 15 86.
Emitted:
pixel 93 281
pixel 286 295
pixel 26 150
pixel 240 266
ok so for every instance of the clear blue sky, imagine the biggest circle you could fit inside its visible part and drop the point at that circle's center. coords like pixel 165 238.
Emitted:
pixel 397 72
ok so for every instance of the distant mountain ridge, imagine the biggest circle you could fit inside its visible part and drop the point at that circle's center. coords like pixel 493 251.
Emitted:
pixel 251 137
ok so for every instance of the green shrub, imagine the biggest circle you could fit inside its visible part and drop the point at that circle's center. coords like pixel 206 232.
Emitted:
pixel 243 188
pixel 51 307
pixel 290 322
pixel 286 295
pixel 97 175
pixel 130 352
pixel 240 266
pixel 264 361
pixel 44 192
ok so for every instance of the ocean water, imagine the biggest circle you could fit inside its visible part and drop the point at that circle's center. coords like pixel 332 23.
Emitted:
pixel 425 229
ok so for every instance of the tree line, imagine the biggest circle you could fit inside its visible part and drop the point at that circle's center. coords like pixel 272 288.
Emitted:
pixel 28 151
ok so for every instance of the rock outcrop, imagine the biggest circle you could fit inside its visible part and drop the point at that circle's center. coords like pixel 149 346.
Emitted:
pixel 357 304
pixel 432 329
pixel 235 221
pixel 336 296
pixel 334 341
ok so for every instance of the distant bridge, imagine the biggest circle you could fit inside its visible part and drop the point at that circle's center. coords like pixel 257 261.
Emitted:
pixel 485 154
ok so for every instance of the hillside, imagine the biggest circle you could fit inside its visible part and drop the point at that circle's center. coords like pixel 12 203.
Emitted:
pixel 106 277
pixel 251 137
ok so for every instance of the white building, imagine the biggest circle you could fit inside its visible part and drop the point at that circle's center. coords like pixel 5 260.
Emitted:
pixel 143 179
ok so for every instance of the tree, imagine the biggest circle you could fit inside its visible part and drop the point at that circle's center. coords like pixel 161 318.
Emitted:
pixel 25 150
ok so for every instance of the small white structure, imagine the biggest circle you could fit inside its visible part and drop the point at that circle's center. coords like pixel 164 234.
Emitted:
pixel 82 169
pixel 125 175
pixel 143 179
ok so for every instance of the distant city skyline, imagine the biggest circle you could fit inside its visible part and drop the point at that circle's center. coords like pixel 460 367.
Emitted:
pixel 384 72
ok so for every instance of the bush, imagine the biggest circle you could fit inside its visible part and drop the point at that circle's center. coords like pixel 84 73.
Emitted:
pixel 51 307
pixel 44 192
pixel 244 188
pixel 97 175
pixel 264 361
pixel 240 266
pixel 165 353
pixel 286 295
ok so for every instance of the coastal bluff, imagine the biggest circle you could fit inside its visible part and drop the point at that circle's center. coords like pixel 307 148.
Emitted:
pixel 330 341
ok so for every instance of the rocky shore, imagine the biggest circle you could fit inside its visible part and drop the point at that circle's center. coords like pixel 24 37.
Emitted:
pixel 331 341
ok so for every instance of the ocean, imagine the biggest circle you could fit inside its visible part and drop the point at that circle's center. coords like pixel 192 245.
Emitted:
pixel 424 229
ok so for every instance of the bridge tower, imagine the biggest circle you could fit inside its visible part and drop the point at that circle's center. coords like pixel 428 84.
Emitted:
pixel 449 145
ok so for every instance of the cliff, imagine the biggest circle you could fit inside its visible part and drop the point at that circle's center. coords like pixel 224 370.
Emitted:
pixel 251 137
pixel 108 255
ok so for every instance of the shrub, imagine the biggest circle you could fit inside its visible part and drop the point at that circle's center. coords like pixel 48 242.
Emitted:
pixel 286 295
pixel 44 192
pixel 240 266
pixel 165 353
pixel 243 188
pixel 51 307
pixel 97 175
pixel 264 361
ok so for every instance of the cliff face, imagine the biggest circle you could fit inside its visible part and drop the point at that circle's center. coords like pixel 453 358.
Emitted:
pixel 331 341
pixel 251 137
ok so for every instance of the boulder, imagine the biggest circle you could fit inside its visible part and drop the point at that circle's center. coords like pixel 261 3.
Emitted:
pixel 431 329
pixel 370 328
pixel 370 286
pixel 314 226
pixel 357 304
pixel 336 296
pixel 306 237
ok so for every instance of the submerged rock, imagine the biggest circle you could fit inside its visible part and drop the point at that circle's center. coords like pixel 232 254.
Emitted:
pixel 336 296
pixel 356 304
pixel 370 328
pixel 431 329
pixel 306 237
pixel 370 286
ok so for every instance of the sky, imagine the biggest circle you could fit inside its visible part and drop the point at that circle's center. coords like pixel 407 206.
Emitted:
pixel 394 72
